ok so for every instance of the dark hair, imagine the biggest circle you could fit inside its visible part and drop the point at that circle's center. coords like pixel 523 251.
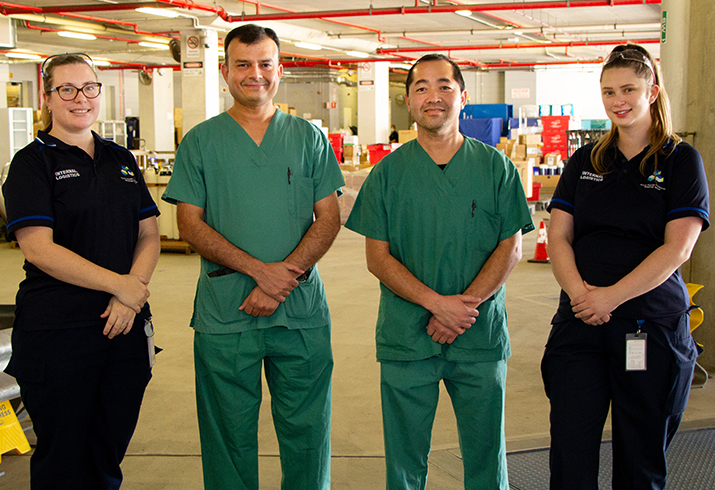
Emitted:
pixel 661 129
pixel 48 69
pixel 250 34
pixel 456 72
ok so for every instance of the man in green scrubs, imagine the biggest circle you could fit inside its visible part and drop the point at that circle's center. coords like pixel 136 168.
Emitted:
pixel 247 184
pixel 442 217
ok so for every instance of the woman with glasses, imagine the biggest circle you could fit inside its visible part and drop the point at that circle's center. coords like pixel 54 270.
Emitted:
pixel 626 214
pixel 78 206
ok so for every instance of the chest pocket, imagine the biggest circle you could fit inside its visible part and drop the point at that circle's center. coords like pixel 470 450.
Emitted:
pixel 300 198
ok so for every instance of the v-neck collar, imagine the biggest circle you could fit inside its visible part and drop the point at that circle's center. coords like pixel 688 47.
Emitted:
pixel 447 178
pixel 276 120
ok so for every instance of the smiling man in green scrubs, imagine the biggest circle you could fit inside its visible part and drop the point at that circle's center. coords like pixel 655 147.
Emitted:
pixel 443 217
pixel 247 184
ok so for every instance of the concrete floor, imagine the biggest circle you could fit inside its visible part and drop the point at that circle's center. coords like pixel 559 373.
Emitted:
pixel 164 453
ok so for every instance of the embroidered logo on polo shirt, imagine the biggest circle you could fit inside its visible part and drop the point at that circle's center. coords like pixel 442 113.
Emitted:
pixel 654 180
pixel 591 176
pixel 128 175
pixel 66 174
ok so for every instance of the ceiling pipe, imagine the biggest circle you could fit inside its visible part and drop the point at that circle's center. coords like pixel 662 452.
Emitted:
pixel 100 36
pixel 148 36
pixel 435 9
pixel 517 46
pixel 601 28
pixel 16 9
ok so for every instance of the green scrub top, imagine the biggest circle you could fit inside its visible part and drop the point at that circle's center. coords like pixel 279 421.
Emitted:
pixel 442 225
pixel 260 198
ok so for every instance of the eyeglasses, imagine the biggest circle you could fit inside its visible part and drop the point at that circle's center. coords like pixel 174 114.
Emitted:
pixel 69 92
pixel 630 55
pixel 62 57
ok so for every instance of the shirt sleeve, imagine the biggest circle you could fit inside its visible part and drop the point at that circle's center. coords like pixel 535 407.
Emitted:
pixel 369 215
pixel 565 194
pixel 687 193
pixel 187 182
pixel 327 177
pixel 513 208
pixel 147 207
pixel 28 192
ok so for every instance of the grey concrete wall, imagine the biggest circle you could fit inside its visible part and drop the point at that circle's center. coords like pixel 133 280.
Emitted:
pixel 701 119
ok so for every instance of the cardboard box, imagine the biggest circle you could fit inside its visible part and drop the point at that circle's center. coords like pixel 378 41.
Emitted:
pixel 282 107
pixel 518 152
pixel 292 111
pixel 532 150
pixel 526 173
pixel 553 158
pixel 503 140
pixel 548 182
pixel 529 139
pixel 405 135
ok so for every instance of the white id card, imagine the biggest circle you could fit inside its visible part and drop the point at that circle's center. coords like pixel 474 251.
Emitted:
pixel 149 331
pixel 636 351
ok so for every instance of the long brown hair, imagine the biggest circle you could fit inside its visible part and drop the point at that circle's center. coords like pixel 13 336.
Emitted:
pixel 48 69
pixel 661 129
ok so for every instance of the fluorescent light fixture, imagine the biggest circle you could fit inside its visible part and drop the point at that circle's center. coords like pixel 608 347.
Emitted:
pixel 77 35
pixel 23 56
pixel 311 46
pixel 400 66
pixel 154 45
pixel 159 12
pixel 463 13
pixel 101 63
pixel 357 54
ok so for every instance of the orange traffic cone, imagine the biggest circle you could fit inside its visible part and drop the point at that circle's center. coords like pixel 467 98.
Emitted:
pixel 540 254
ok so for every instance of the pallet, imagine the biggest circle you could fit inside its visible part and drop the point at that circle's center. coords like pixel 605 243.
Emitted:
pixel 169 245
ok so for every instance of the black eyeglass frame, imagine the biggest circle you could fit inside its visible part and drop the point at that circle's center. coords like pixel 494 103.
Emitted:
pixel 78 90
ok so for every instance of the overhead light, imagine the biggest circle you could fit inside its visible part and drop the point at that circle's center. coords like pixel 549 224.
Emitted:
pixel 311 46
pixel 154 45
pixel 400 66
pixel 23 56
pixel 77 35
pixel 357 54
pixel 463 13
pixel 160 12
pixel 101 63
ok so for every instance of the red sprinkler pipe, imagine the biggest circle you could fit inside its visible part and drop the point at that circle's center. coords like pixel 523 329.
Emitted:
pixel 516 46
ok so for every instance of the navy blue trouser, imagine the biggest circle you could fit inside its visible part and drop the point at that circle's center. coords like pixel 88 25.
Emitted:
pixel 584 372
pixel 83 392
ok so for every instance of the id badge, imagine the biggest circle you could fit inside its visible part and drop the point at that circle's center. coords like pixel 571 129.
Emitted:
pixel 636 351
pixel 149 331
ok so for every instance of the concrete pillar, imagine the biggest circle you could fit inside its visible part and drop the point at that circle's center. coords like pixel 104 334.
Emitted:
pixel 700 118
pixel 4 78
pixel 675 18
pixel 156 111
pixel 199 76
pixel 373 103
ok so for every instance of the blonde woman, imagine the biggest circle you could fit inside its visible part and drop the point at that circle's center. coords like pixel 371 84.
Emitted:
pixel 79 208
pixel 625 215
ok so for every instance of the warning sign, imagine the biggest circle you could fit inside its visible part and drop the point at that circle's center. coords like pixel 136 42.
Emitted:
pixel 193 68
pixel 192 47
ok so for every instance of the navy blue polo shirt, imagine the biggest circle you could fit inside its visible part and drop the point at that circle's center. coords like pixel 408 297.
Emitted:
pixel 94 207
pixel 620 218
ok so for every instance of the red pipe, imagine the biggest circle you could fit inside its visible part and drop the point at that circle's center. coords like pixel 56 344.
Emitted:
pixel 139 66
pixel 434 9
pixel 516 46
pixel 118 22
pixel 18 9
pixel 111 38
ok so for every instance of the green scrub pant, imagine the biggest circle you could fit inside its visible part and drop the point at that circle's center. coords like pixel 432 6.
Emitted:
pixel 410 392
pixel 298 366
